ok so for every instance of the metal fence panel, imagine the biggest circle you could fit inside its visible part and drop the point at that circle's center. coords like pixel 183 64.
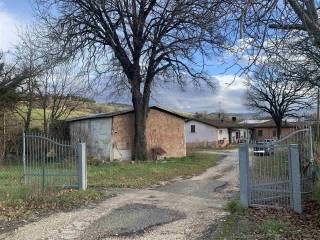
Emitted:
pixel 279 173
pixel 49 162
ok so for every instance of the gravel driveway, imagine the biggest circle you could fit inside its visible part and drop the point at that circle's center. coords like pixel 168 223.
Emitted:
pixel 183 209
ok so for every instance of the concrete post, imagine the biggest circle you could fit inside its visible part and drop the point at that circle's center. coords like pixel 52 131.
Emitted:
pixel 24 157
pixel 294 178
pixel 244 174
pixel 82 166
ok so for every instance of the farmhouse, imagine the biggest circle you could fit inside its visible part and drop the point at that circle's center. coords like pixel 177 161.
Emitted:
pixel 109 136
pixel 206 133
pixel 268 129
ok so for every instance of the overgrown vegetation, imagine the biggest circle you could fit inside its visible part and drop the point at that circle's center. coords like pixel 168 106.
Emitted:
pixel 266 223
pixel 144 173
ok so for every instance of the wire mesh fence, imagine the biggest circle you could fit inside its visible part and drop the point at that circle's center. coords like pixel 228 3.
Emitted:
pixel 269 171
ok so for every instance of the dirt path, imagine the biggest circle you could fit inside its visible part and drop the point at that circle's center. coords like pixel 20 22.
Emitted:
pixel 180 210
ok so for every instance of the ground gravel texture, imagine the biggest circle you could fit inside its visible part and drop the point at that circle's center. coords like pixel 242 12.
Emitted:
pixel 181 210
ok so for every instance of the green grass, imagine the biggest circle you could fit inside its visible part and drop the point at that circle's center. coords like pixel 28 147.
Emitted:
pixel 130 175
pixel 271 228
pixel 234 207
pixel 142 174
pixel 241 225
pixel 18 201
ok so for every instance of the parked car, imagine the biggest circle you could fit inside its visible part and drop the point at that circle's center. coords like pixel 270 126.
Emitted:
pixel 264 148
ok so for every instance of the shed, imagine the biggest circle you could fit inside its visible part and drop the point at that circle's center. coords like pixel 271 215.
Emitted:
pixel 109 136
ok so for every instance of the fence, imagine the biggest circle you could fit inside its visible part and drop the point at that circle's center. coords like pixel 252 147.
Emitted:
pixel 49 162
pixel 277 174
pixel 42 162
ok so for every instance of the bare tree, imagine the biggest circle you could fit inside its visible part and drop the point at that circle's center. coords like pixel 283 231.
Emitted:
pixel 268 27
pixel 286 29
pixel 59 91
pixel 28 58
pixel 272 92
pixel 138 44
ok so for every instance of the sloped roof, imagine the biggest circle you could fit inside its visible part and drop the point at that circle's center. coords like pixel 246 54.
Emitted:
pixel 271 124
pixel 216 123
pixel 117 113
pixel 253 121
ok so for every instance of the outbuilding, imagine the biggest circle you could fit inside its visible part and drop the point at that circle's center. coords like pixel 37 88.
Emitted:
pixel 109 136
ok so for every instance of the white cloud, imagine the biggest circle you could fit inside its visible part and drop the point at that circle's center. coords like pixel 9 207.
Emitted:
pixel 9 25
pixel 229 96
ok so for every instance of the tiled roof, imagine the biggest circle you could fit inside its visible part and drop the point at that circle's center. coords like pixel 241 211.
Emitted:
pixel 271 124
pixel 216 123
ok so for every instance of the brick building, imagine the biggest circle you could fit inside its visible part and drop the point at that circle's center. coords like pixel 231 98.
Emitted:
pixel 109 136
pixel 268 129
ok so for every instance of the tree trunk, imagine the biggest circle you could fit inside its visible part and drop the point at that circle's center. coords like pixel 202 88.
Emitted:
pixel 279 131
pixel 3 150
pixel 140 142
pixel 140 119
pixel 28 118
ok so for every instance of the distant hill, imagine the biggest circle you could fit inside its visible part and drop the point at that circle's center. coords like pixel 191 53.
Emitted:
pixel 239 116
pixel 84 108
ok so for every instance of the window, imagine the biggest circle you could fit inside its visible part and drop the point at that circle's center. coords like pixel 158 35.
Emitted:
pixel 220 131
pixel 245 134
pixel 274 132
pixel 193 128
pixel 260 133
pixel 237 134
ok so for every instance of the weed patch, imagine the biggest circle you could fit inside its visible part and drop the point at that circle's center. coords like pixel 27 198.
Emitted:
pixel 269 223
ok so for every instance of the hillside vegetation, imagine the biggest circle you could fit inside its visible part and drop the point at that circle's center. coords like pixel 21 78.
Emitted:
pixel 85 108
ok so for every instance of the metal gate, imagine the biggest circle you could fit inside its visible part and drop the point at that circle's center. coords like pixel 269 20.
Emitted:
pixel 52 163
pixel 277 173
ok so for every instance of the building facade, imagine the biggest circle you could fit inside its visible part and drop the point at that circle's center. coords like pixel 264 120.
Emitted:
pixel 201 133
pixel 110 136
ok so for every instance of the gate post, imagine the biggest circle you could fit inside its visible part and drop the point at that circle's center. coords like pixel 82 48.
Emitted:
pixel 82 166
pixel 294 178
pixel 244 174
pixel 24 157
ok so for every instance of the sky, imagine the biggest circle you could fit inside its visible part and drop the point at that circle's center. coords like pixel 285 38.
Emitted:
pixel 16 14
